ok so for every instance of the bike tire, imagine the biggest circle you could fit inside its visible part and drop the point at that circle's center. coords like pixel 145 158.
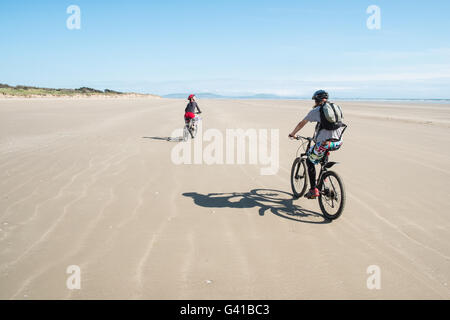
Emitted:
pixel 194 131
pixel 299 191
pixel 342 196
pixel 185 133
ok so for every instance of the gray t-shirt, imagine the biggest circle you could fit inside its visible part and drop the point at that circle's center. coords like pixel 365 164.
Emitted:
pixel 324 134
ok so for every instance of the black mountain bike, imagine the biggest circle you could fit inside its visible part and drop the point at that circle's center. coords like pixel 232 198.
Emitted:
pixel 331 187
pixel 190 128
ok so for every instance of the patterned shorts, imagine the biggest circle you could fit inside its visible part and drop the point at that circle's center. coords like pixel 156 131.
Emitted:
pixel 317 151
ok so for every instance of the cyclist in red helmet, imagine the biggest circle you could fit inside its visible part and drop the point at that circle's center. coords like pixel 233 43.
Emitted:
pixel 189 112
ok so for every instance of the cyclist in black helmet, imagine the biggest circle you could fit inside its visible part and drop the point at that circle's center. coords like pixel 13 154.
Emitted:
pixel 324 140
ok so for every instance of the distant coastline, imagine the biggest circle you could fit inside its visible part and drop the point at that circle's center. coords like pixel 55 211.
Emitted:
pixel 263 96
pixel 7 91
pixel 21 91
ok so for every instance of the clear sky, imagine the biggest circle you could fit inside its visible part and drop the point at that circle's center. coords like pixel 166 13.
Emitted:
pixel 231 47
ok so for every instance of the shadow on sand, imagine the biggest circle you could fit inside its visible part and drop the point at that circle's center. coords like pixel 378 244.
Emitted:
pixel 169 139
pixel 277 202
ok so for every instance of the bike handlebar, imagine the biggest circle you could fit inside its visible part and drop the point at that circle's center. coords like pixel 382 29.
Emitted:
pixel 301 137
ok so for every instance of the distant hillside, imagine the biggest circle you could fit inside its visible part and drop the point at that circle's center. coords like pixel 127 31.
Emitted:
pixel 29 91
pixel 268 96
pixel 207 95
pixel 204 95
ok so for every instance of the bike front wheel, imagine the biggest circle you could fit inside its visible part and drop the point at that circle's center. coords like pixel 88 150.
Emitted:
pixel 298 178
pixel 332 195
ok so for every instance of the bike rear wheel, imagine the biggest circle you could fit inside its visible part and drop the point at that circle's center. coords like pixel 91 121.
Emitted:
pixel 185 133
pixel 332 195
pixel 298 178
pixel 194 130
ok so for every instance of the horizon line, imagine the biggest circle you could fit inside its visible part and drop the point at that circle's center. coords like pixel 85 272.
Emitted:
pixel 260 95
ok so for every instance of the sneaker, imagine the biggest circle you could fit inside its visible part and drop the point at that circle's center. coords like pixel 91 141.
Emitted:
pixel 312 194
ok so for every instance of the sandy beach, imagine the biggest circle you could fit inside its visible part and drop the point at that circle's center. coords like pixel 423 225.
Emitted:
pixel 91 183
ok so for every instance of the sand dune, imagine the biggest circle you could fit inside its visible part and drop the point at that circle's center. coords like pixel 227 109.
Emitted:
pixel 91 183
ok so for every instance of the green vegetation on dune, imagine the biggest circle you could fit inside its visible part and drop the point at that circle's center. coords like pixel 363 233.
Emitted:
pixel 27 91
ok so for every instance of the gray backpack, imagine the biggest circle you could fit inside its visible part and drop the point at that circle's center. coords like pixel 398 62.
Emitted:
pixel 331 116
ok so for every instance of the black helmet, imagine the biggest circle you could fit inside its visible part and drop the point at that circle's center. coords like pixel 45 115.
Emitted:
pixel 319 95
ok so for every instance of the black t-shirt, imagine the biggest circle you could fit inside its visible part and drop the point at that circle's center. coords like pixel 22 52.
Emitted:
pixel 191 106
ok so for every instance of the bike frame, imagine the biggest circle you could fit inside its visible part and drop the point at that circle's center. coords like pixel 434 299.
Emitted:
pixel 191 123
pixel 324 163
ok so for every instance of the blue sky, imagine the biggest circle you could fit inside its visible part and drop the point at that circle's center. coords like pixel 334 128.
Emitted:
pixel 230 47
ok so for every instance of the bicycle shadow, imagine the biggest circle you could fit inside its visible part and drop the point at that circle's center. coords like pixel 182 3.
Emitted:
pixel 277 202
pixel 168 139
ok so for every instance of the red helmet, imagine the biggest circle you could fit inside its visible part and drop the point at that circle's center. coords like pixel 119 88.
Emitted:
pixel 191 96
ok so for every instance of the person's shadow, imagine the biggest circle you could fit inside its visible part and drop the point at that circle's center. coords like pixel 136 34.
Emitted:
pixel 277 202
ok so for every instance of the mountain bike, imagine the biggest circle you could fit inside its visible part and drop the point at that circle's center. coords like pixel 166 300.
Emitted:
pixel 191 127
pixel 331 187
